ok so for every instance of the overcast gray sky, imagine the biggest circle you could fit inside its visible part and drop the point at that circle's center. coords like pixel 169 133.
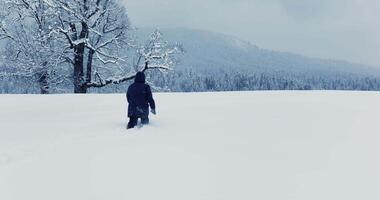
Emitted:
pixel 338 29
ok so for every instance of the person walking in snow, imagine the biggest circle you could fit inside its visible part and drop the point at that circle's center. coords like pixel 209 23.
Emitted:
pixel 139 98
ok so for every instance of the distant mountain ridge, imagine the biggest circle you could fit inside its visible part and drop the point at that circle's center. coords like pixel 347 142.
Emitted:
pixel 212 51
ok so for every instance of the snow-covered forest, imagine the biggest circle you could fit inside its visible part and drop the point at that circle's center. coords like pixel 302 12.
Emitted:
pixel 87 43
pixel 56 46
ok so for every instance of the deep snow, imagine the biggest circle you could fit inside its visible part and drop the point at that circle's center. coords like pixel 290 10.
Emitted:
pixel 214 146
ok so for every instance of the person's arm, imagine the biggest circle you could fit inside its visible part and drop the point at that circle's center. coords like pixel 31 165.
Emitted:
pixel 152 104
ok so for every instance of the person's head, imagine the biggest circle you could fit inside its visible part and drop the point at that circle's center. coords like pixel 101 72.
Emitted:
pixel 140 77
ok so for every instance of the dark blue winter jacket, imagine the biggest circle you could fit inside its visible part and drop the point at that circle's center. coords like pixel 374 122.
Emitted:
pixel 140 97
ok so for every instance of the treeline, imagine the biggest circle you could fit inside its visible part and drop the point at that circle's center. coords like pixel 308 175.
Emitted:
pixel 196 81
pixel 188 81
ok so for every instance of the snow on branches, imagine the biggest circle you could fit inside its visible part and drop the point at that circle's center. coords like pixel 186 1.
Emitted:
pixel 90 37
pixel 3 14
pixel 97 32
pixel 158 54
pixel 155 54
pixel 33 49
pixel 3 33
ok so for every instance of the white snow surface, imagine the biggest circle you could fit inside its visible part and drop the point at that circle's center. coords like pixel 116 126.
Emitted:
pixel 211 146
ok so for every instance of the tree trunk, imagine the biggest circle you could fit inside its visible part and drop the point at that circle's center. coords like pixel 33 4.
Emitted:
pixel 79 87
pixel 89 66
pixel 79 83
pixel 43 82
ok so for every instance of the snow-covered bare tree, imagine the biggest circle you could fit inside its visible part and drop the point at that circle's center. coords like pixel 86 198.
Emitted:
pixel 97 33
pixel 93 36
pixel 33 49
pixel 155 54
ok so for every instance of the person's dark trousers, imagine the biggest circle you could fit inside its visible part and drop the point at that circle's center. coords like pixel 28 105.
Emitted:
pixel 145 120
pixel 132 122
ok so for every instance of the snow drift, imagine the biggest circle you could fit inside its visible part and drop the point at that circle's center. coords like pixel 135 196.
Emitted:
pixel 243 145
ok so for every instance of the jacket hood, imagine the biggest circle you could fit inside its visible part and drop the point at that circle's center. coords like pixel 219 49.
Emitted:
pixel 140 77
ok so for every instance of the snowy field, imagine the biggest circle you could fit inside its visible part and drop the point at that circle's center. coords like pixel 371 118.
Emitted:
pixel 205 146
